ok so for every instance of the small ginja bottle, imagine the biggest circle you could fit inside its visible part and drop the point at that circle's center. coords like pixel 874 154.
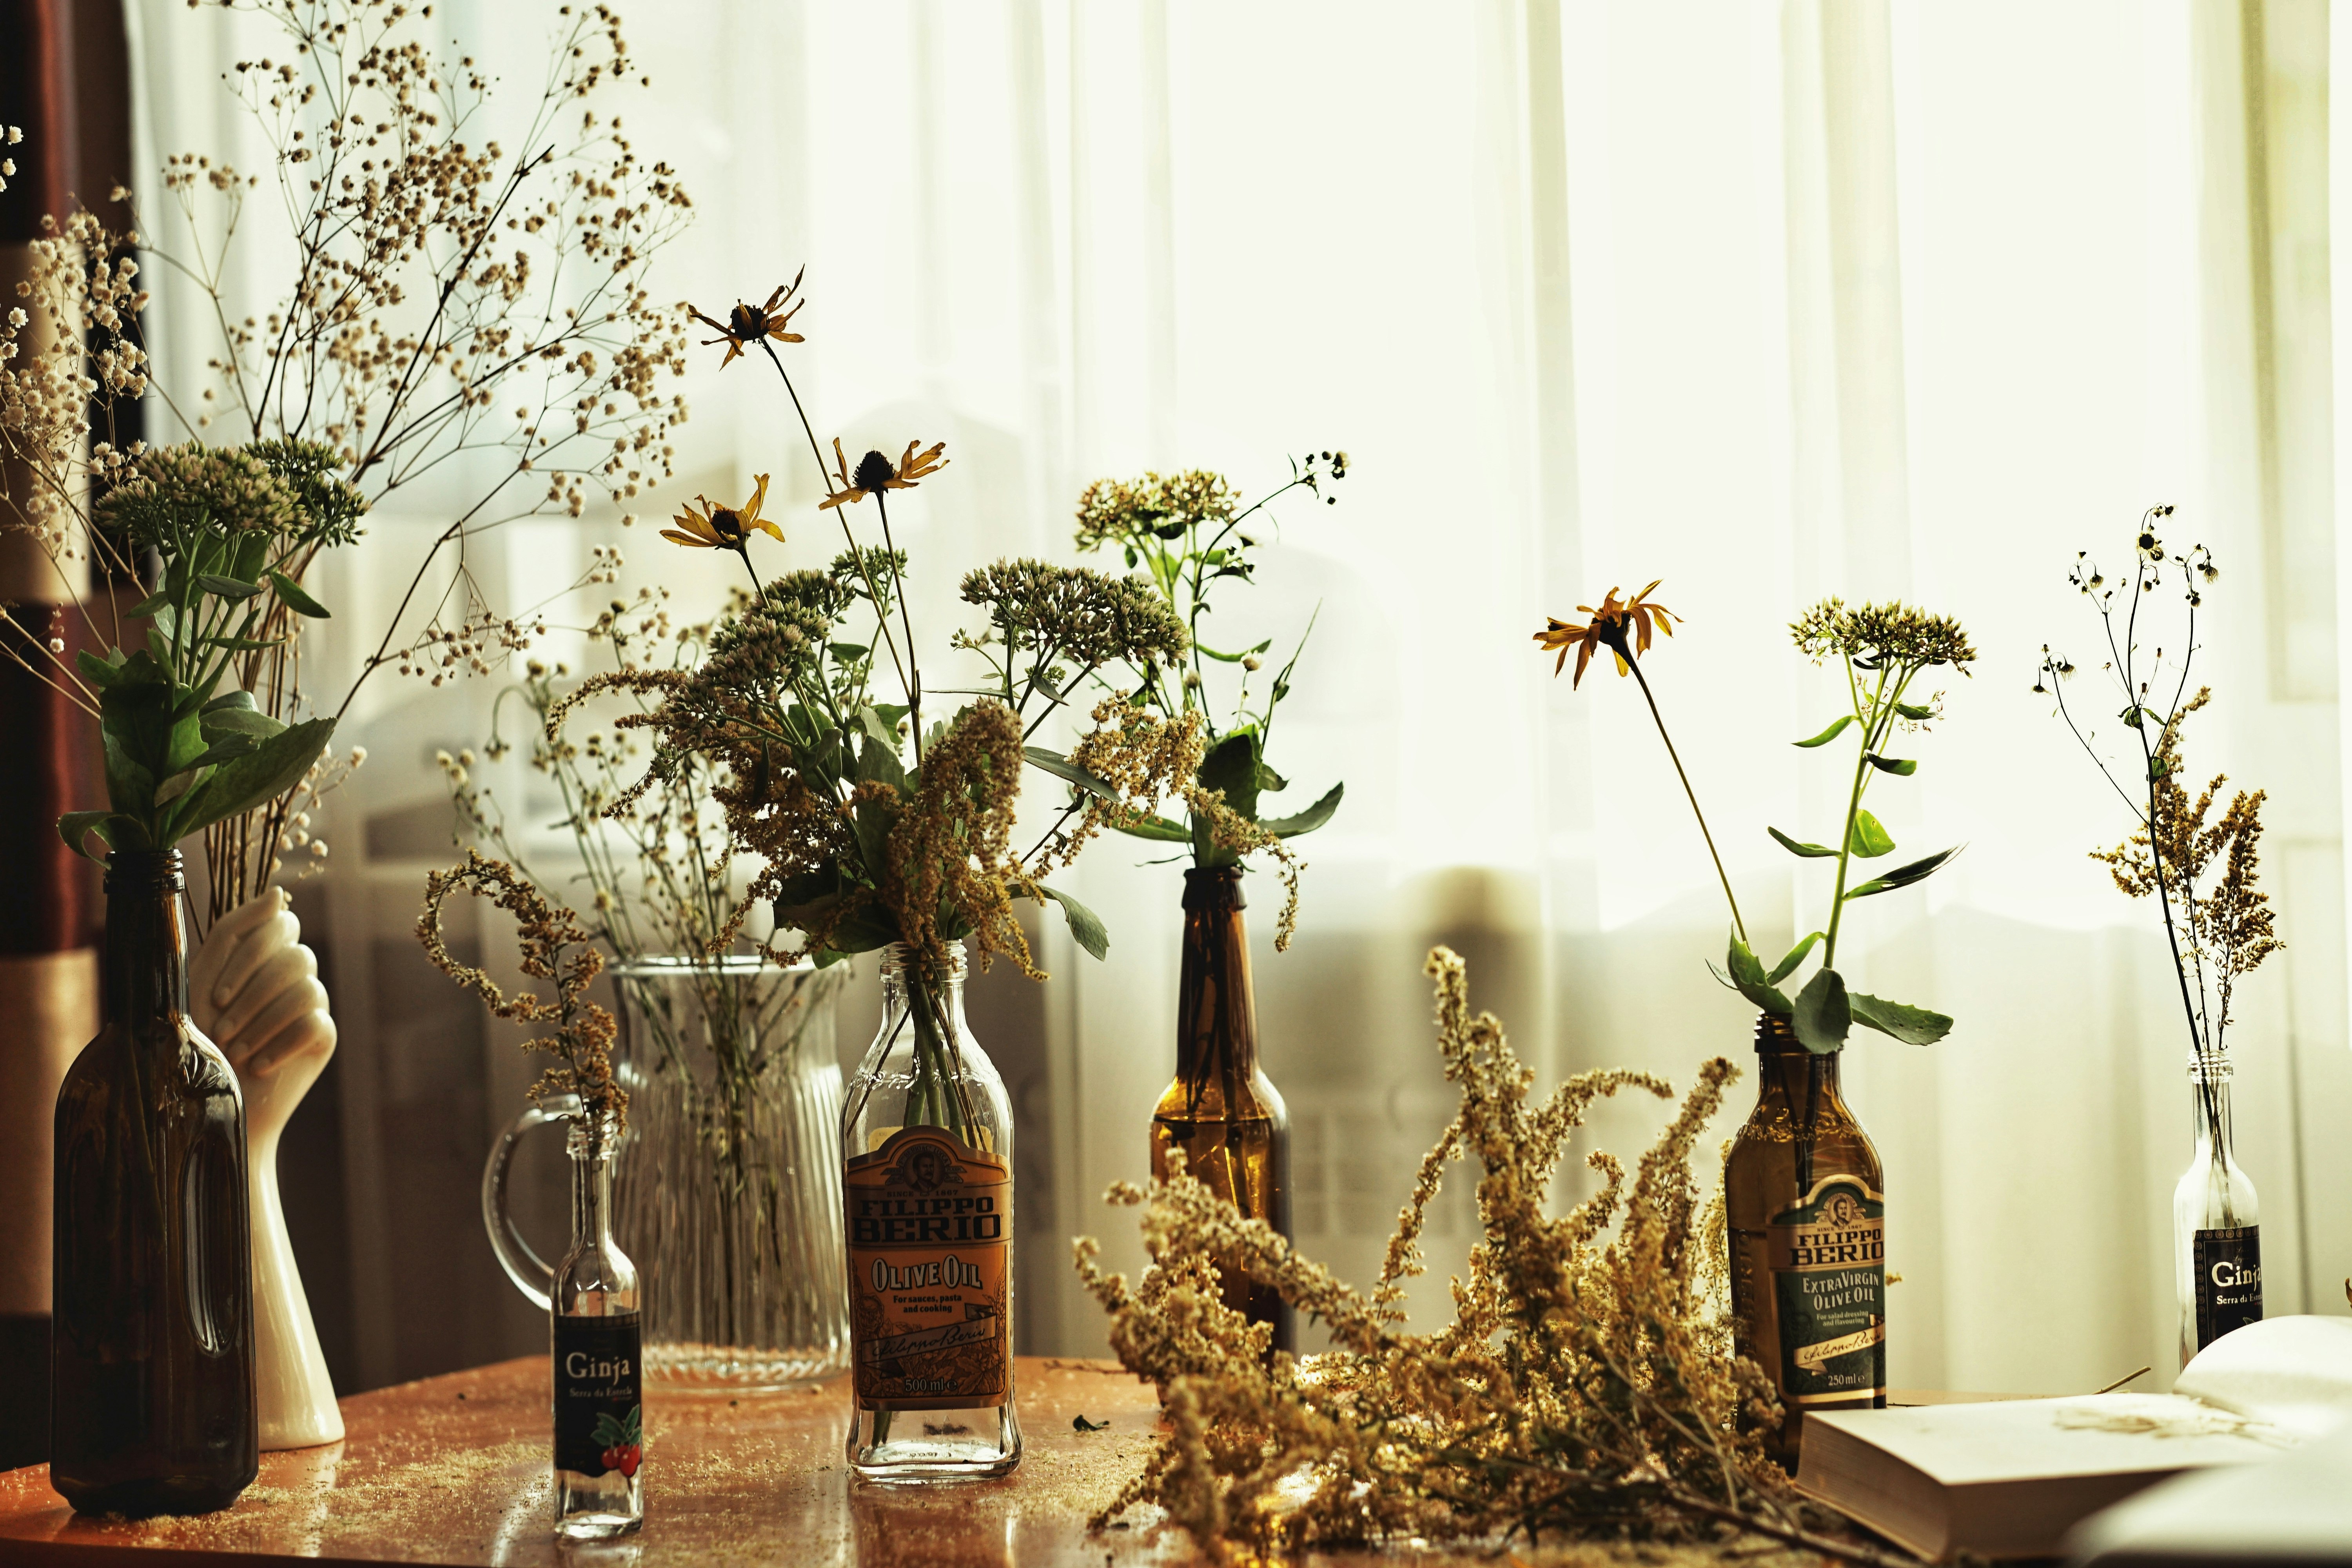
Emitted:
pixel 2217 1238
pixel 927 1137
pixel 600 1488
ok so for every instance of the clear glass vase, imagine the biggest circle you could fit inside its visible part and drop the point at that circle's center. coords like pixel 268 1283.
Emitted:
pixel 726 1182
pixel 2217 1238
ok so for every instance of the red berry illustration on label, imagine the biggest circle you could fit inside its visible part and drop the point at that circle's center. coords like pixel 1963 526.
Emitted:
pixel 623 1441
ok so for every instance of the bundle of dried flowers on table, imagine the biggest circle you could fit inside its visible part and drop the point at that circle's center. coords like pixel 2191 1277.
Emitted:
pixel 1586 1389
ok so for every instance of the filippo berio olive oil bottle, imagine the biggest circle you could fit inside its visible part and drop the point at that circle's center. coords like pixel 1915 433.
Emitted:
pixel 151 1380
pixel 927 1191
pixel 1806 1202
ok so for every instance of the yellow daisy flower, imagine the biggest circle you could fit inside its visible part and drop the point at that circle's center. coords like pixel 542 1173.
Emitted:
pixel 747 325
pixel 876 472
pixel 723 527
pixel 1608 628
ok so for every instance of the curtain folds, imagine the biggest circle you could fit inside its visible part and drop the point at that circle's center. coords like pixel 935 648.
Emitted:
pixel 1835 297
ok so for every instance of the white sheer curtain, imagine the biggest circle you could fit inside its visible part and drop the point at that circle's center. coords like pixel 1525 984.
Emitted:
pixel 1770 302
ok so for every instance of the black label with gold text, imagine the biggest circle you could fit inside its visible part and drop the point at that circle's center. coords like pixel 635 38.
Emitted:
pixel 2229 1265
pixel 1828 1257
pixel 599 1411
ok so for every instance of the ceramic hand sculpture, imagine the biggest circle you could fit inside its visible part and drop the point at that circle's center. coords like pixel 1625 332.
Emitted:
pixel 254 990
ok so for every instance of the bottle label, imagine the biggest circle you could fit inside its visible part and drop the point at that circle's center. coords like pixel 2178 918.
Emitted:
pixel 2229 1265
pixel 599 1414
pixel 930 1232
pixel 1828 1258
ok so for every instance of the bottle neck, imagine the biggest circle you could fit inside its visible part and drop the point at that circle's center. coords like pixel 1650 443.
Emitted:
pixel 2208 1083
pixel 906 979
pixel 1216 1010
pixel 146 974
pixel 590 1148
pixel 1786 1071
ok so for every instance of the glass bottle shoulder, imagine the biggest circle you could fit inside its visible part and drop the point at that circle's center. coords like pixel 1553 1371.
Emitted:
pixel 1215 1098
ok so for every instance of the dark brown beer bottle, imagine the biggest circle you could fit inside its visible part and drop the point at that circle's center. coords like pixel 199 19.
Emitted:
pixel 152 1374
pixel 1806 1204
pixel 1221 1110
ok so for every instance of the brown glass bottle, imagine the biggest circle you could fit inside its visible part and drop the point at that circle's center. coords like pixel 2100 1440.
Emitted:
pixel 1221 1110
pixel 152 1369
pixel 1806 1205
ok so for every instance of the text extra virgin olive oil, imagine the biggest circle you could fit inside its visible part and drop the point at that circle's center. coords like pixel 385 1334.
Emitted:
pixel 1806 1204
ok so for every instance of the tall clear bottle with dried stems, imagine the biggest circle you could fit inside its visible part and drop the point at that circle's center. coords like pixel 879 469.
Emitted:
pixel 927 1184
pixel 2202 873
pixel 2217 1238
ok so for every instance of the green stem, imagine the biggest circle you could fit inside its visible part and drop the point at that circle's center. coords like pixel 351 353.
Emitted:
pixel 1643 681
pixel 1870 721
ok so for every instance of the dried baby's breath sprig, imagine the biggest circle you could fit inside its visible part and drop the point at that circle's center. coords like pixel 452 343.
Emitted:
pixel 555 947
pixel 1587 1389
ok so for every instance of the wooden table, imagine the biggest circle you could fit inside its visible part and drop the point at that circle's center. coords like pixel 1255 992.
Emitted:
pixel 455 1471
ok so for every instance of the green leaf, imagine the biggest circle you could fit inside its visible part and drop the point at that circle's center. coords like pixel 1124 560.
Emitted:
pixel 1086 926
pixel 1866 838
pixel 1903 767
pixel 1912 1026
pixel 873 824
pixel 98 672
pixel 1832 733
pixel 1269 782
pixel 252 551
pixel 229 700
pixel 290 594
pixel 803 898
pixel 178 784
pixel 114 830
pixel 130 784
pixel 1158 828
pixel 1061 767
pixel 877 763
pixel 1796 956
pixel 226 587
pixel 861 932
pixel 262 774
pixel 159 599
pixel 1208 652
pixel 242 721
pixel 1307 821
pixel 1810 851
pixel 1903 876
pixel 244 645
pixel 1231 766
pixel 1823 1016
pixel 1912 710
pixel 876 725
pixel 1748 979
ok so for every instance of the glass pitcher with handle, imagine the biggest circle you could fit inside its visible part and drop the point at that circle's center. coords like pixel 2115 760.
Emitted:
pixel 725 1183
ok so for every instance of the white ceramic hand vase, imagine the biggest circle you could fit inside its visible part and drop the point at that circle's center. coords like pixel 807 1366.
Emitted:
pixel 254 990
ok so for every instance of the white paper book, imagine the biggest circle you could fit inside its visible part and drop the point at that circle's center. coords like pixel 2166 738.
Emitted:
pixel 2009 1478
